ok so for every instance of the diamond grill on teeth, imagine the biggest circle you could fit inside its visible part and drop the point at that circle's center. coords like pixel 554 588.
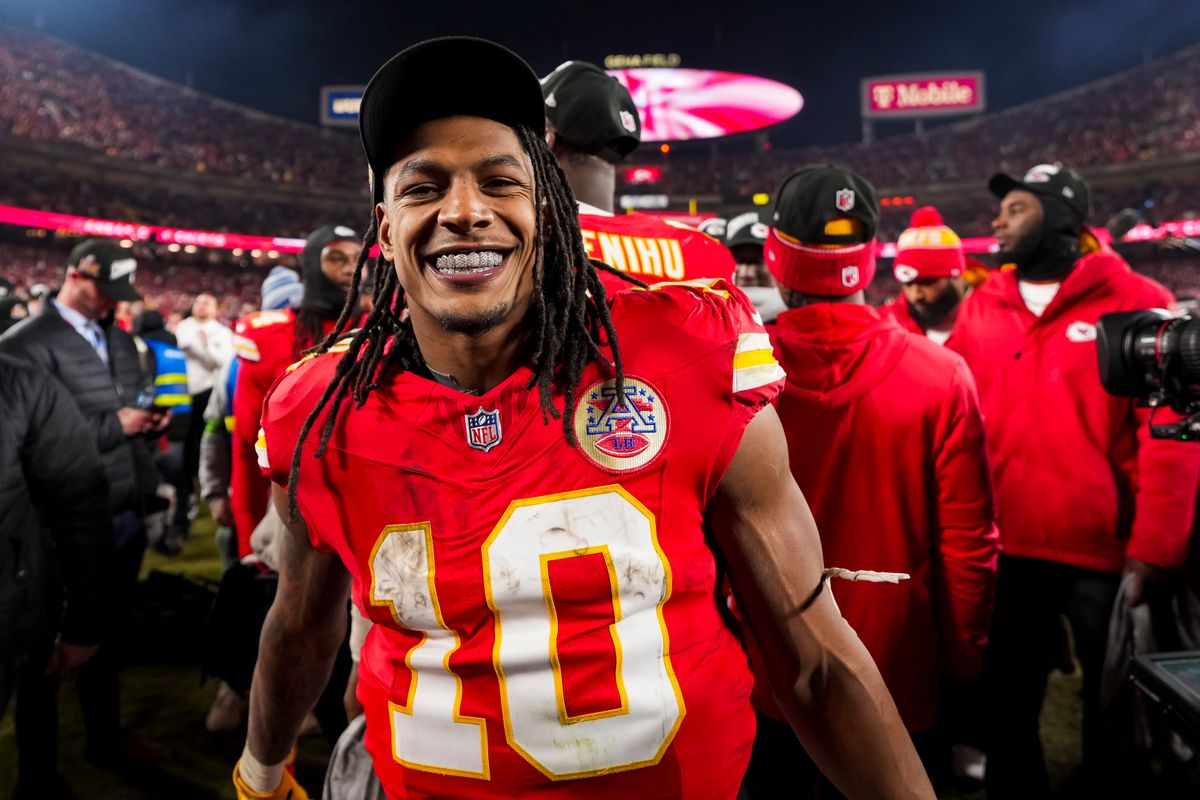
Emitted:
pixel 468 262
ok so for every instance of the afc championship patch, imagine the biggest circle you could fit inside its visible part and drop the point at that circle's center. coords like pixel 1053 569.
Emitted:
pixel 621 434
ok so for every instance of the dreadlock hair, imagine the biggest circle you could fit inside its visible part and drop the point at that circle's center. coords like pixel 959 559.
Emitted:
pixel 570 318
pixel 308 330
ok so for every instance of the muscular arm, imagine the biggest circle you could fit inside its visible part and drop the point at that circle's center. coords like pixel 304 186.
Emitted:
pixel 822 676
pixel 300 638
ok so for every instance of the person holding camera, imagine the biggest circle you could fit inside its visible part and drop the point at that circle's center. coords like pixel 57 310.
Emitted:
pixel 1084 494
pixel 73 339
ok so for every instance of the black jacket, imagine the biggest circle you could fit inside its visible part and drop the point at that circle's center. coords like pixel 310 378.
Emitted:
pixel 50 475
pixel 49 343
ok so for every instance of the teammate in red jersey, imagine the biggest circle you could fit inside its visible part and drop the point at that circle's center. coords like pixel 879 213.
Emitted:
pixel 592 125
pixel 544 591
pixel 266 342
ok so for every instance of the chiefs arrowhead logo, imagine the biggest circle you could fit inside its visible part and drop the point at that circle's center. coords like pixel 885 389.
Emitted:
pixel 1080 331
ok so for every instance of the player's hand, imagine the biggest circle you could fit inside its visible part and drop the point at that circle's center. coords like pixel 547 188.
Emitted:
pixel 288 789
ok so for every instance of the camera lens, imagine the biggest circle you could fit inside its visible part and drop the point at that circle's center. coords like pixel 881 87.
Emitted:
pixel 1128 349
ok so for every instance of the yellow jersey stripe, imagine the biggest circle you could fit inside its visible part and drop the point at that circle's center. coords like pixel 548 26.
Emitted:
pixel 753 358
pixel 260 447
pixel 170 377
pixel 246 348
pixel 760 375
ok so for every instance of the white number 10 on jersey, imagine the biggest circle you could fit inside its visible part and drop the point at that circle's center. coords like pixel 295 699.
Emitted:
pixel 529 542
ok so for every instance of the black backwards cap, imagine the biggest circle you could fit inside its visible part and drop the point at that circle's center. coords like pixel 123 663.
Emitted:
pixel 592 110
pixel 446 77
pixel 808 248
pixel 810 198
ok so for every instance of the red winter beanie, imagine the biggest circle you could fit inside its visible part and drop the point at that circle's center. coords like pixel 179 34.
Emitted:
pixel 928 249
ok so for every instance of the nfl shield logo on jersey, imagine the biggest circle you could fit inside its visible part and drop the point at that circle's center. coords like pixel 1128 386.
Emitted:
pixel 483 429
pixel 849 276
pixel 844 199
pixel 628 122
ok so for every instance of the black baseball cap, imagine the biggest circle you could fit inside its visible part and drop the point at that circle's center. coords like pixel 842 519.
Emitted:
pixel 111 266
pixel 745 229
pixel 446 77
pixel 591 110
pixel 1048 180
pixel 812 197
pixel 821 240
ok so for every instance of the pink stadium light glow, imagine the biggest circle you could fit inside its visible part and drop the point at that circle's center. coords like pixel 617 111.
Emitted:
pixel 89 226
pixel 113 229
pixel 702 104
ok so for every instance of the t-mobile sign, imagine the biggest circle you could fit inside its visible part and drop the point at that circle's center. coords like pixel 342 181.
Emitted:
pixel 927 95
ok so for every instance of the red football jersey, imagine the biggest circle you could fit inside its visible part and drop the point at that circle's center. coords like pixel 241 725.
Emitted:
pixel 653 250
pixel 546 615
pixel 265 341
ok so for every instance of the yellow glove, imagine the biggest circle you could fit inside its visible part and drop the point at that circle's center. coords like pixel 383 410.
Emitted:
pixel 288 789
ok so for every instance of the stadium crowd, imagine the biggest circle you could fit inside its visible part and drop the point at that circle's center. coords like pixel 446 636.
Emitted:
pixel 167 362
pixel 62 94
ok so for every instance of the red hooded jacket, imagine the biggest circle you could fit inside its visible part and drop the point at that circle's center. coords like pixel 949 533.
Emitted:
pixel 1078 478
pixel 886 441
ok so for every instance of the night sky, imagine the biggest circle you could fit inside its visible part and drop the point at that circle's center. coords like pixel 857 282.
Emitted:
pixel 274 55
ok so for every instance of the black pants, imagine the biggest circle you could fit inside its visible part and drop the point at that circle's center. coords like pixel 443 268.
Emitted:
pixel 10 669
pixel 99 693
pixel 97 680
pixel 1026 642
pixel 171 468
pixel 191 445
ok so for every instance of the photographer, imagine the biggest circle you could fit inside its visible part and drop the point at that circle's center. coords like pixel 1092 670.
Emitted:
pixel 1084 494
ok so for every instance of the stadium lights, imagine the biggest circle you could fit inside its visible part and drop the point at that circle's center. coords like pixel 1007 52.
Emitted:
pixel 272 254
pixel 760 199
pixel 256 253
pixel 237 251
pixel 173 248
pixel 126 243
pixel 191 248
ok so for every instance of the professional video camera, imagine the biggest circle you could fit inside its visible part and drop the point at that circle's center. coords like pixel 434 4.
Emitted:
pixel 1155 356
